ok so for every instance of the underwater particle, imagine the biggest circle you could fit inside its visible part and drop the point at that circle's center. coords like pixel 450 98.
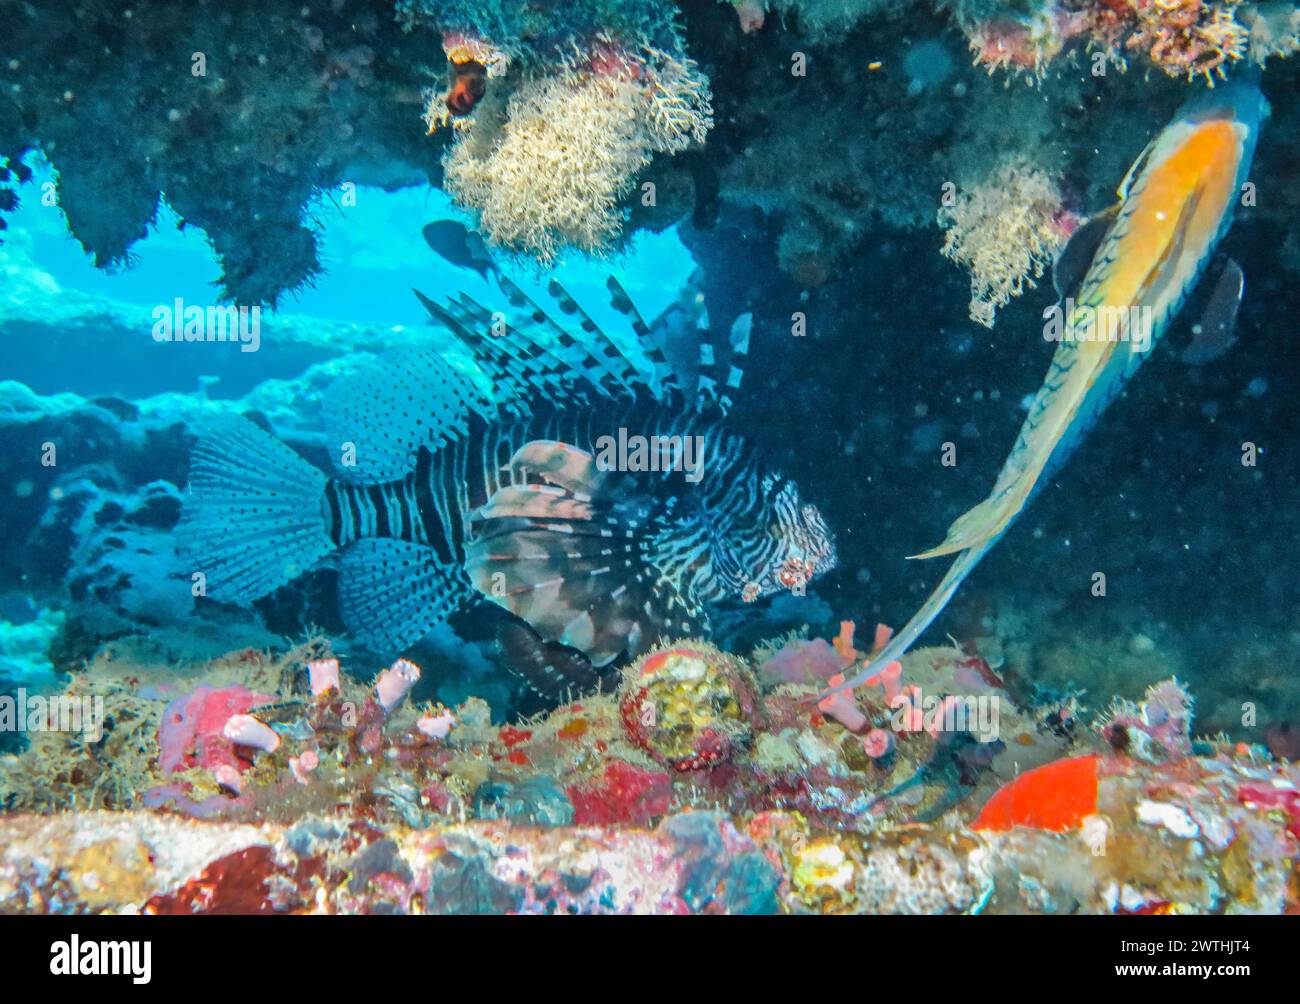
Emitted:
pixel 395 683
pixel 1005 230
pixel 689 707
pixel 1056 797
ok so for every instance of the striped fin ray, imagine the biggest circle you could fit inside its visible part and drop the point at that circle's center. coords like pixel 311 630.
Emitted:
pixel 529 354
pixel 254 514
pixel 508 378
pixel 394 592
pixel 722 366
pixel 604 350
pixel 544 356
pixel 665 383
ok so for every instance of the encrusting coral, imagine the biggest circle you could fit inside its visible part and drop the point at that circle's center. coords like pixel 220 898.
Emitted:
pixel 632 803
pixel 1183 38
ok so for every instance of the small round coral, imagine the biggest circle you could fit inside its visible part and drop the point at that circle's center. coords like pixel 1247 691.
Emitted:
pixel 690 707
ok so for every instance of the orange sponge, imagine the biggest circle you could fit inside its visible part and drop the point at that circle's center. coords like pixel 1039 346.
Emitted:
pixel 1053 797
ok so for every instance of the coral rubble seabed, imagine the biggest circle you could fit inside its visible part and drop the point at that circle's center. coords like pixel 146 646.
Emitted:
pixel 707 784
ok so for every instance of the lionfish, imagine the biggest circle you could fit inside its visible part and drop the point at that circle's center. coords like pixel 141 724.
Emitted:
pixel 1140 259
pixel 446 492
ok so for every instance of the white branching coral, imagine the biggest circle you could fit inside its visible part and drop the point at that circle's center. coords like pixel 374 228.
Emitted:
pixel 1274 30
pixel 680 110
pixel 553 173
pixel 1005 231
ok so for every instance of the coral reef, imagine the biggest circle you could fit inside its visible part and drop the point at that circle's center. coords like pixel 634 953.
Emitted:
pixel 240 138
pixel 550 172
pixel 1183 38
pixel 348 806
pixel 1274 30
pixel 1006 231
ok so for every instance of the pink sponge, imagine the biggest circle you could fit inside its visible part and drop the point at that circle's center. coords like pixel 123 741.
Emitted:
pixel 802 661
pixel 192 729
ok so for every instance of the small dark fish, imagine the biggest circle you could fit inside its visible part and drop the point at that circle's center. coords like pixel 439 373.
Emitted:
pixel 459 245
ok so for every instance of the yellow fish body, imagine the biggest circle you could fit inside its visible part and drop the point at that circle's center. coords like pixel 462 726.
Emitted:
pixel 1175 205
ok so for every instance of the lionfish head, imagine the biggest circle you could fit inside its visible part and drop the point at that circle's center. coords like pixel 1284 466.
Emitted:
pixel 800 545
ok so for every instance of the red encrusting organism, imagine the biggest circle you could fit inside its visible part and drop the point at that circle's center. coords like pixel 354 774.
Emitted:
pixel 1056 797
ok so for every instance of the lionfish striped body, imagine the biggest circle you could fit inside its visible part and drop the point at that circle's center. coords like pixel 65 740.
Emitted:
pixel 445 492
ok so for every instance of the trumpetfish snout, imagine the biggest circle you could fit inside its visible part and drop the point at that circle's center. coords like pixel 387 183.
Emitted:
pixel 1175 205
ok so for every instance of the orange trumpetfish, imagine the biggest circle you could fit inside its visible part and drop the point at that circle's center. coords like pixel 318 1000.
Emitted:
pixel 1174 206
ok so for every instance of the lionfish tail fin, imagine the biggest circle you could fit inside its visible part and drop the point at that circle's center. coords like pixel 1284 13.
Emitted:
pixel 254 516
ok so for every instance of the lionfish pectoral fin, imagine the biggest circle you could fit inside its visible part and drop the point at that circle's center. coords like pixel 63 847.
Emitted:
pixel 585 583
pixel 392 592
pixel 560 464
pixel 378 418
pixel 554 671
pixel 534 502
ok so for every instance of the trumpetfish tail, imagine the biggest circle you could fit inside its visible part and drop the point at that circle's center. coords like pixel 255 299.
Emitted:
pixel 898 645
